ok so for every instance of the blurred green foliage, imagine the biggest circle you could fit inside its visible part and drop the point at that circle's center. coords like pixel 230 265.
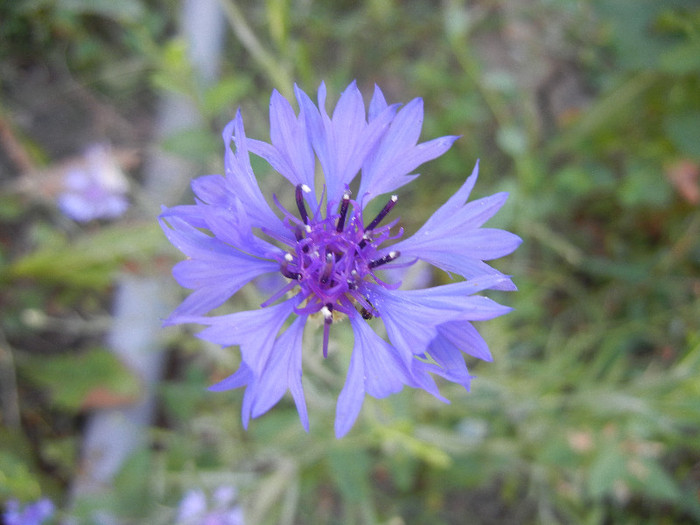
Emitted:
pixel 588 113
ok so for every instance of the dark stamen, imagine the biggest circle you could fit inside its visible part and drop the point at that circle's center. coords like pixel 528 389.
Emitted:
pixel 366 314
pixel 284 268
pixel 327 268
pixel 343 212
pixel 301 189
pixel 364 240
pixel 327 312
pixel 385 210
pixel 387 258
pixel 352 282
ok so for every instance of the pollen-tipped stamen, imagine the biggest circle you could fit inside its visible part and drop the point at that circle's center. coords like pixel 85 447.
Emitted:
pixel 343 212
pixel 327 312
pixel 284 268
pixel 327 268
pixel 385 211
pixel 365 239
pixel 300 190
pixel 383 260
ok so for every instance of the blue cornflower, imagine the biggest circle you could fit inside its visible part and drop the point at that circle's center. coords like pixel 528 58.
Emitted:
pixel 330 254
pixel 94 187
pixel 195 509
pixel 32 514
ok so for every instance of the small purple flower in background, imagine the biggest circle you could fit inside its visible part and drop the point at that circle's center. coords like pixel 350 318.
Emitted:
pixel 331 254
pixel 95 188
pixel 195 510
pixel 32 514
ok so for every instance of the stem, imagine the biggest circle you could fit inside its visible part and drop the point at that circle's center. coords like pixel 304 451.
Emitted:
pixel 276 72
pixel 9 400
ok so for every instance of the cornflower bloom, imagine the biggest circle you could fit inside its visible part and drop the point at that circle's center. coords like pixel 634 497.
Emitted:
pixel 32 514
pixel 95 188
pixel 331 255
pixel 194 509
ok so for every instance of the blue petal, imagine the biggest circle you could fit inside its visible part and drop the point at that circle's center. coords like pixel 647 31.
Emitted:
pixel 385 370
pixel 344 133
pixel 343 142
pixel 460 264
pixel 207 297
pixel 376 368
pixel 291 153
pixel 388 167
pixel 243 376
pixel 417 155
pixel 214 270
pixel 189 213
pixel 212 189
pixel 449 362
pixel 377 104
pixel 190 240
pixel 455 202
pixel 464 336
pixel 453 240
pixel 254 330
pixel 411 317
pixel 282 372
pixel 234 269
pixel 241 181
pixel 233 227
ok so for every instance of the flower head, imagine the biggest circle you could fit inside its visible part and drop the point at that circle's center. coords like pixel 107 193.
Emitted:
pixel 331 253
pixel 32 514
pixel 95 188
pixel 194 509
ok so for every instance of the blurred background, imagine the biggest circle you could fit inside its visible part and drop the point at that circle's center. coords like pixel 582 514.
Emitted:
pixel 587 112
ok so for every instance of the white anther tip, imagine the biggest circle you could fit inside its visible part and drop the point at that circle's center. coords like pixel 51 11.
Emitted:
pixel 327 314
pixel 394 198
pixel 307 228
pixel 288 257
pixel 305 188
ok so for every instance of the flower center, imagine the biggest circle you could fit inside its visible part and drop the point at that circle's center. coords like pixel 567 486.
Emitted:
pixel 335 257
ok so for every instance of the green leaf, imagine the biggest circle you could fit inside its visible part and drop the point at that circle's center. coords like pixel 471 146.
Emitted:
pixel 174 74
pixel 682 59
pixel 607 468
pixel 224 95
pixel 350 469
pixel 683 129
pixel 92 260
pixel 644 186
pixel 122 11
pixel 651 479
pixel 512 140
pixel 18 478
pixel 133 486
pixel 74 381
pixel 197 145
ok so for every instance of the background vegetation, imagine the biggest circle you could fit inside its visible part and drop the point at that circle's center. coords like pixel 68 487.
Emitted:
pixel 587 112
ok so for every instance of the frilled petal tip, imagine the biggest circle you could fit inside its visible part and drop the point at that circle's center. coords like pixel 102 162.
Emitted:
pixel 271 365
pixel 376 368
